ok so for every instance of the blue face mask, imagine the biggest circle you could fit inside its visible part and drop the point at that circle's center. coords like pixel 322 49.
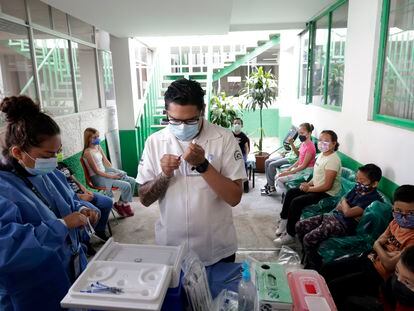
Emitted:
pixel 360 187
pixel 42 166
pixel 404 220
pixel 184 132
pixel 96 141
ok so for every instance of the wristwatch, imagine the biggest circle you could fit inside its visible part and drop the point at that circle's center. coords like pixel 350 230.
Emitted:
pixel 202 168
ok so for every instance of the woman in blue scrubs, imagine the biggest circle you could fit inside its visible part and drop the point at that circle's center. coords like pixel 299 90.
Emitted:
pixel 40 219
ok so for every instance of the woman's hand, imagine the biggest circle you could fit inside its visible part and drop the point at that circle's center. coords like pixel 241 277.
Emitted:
pixel 85 197
pixel 116 176
pixel 75 220
pixel 304 187
pixel 91 214
pixel 285 173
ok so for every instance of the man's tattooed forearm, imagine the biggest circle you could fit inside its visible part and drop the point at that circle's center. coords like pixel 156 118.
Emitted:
pixel 153 190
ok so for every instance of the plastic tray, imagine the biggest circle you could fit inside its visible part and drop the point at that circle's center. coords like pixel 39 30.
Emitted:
pixel 167 255
pixel 144 286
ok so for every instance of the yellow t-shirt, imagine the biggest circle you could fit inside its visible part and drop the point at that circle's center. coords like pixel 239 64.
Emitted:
pixel 331 162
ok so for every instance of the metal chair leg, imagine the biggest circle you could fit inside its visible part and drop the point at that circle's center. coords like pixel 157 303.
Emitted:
pixel 109 228
pixel 113 214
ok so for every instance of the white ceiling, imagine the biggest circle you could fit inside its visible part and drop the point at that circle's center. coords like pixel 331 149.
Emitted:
pixel 130 18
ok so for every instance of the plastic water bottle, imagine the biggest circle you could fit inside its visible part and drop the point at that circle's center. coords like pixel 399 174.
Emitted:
pixel 247 290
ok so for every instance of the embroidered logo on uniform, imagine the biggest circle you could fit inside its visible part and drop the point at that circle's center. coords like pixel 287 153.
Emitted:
pixel 237 155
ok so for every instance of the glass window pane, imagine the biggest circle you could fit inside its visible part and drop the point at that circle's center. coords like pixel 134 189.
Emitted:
pixel 319 58
pixel 14 8
pixel 107 78
pixel 80 29
pixel 397 98
pixel 102 40
pixel 39 13
pixel 337 55
pixel 55 80
pixel 234 81
pixel 59 21
pixel 16 71
pixel 139 82
pixel 144 75
pixel 85 74
pixel 303 74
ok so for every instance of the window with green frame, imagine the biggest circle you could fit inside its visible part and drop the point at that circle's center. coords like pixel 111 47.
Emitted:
pixel 394 91
pixel 322 58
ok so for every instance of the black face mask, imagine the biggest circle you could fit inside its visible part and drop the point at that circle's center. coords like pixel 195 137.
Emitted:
pixel 302 138
pixel 401 293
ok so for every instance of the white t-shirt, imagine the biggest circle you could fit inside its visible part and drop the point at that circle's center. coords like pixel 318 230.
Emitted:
pixel 191 212
pixel 331 162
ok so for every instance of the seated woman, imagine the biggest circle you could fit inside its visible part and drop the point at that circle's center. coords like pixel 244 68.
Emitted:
pixel 274 163
pixel 40 221
pixel 304 165
pixel 326 182
pixel 101 202
pixel 104 175
pixel 343 220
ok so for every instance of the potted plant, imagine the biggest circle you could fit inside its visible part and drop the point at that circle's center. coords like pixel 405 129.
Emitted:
pixel 259 92
pixel 222 110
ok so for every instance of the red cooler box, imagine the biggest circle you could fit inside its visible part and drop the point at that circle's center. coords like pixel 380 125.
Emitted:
pixel 309 291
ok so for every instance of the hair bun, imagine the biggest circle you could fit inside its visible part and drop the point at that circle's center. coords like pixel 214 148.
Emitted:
pixel 19 108
pixel 312 127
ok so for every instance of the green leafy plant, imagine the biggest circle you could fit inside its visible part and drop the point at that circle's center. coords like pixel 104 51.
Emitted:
pixel 258 93
pixel 222 110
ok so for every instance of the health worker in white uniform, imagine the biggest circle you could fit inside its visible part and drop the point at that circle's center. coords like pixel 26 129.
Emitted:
pixel 195 170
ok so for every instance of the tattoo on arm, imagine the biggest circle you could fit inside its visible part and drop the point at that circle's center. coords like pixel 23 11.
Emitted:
pixel 153 190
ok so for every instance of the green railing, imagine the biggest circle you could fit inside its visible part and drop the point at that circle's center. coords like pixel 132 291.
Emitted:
pixel 145 122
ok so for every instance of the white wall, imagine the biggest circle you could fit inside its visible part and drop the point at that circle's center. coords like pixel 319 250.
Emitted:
pixel 287 72
pixel 72 127
pixel 365 141
pixel 125 77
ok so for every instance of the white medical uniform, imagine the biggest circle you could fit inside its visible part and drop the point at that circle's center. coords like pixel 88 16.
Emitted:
pixel 191 212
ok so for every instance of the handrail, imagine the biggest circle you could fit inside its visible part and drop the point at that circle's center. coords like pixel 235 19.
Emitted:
pixel 404 84
pixel 150 81
pixel 38 69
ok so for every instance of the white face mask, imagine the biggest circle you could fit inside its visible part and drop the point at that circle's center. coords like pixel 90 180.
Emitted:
pixel 323 146
pixel 237 128
pixel 42 166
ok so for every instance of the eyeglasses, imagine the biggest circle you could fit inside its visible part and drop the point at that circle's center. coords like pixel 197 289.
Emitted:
pixel 193 121
pixel 409 213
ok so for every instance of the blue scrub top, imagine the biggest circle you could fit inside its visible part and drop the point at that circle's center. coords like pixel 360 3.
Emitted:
pixel 35 246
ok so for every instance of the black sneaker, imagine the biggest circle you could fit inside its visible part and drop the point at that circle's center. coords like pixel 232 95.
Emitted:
pixel 90 251
pixel 266 187
pixel 102 235
pixel 269 191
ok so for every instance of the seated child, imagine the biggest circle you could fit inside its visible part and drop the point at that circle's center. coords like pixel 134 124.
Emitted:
pixel 398 292
pixel 363 274
pixel 344 219
pixel 88 198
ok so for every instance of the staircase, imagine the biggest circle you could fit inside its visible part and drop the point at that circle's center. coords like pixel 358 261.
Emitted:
pixel 221 64
pixel 54 72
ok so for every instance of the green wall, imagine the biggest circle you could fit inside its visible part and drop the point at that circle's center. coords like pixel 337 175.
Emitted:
pixel 131 148
pixel 284 125
pixel 251 121
pixel 386 186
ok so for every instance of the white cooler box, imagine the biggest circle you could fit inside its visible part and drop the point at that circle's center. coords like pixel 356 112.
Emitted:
pixel 144 272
